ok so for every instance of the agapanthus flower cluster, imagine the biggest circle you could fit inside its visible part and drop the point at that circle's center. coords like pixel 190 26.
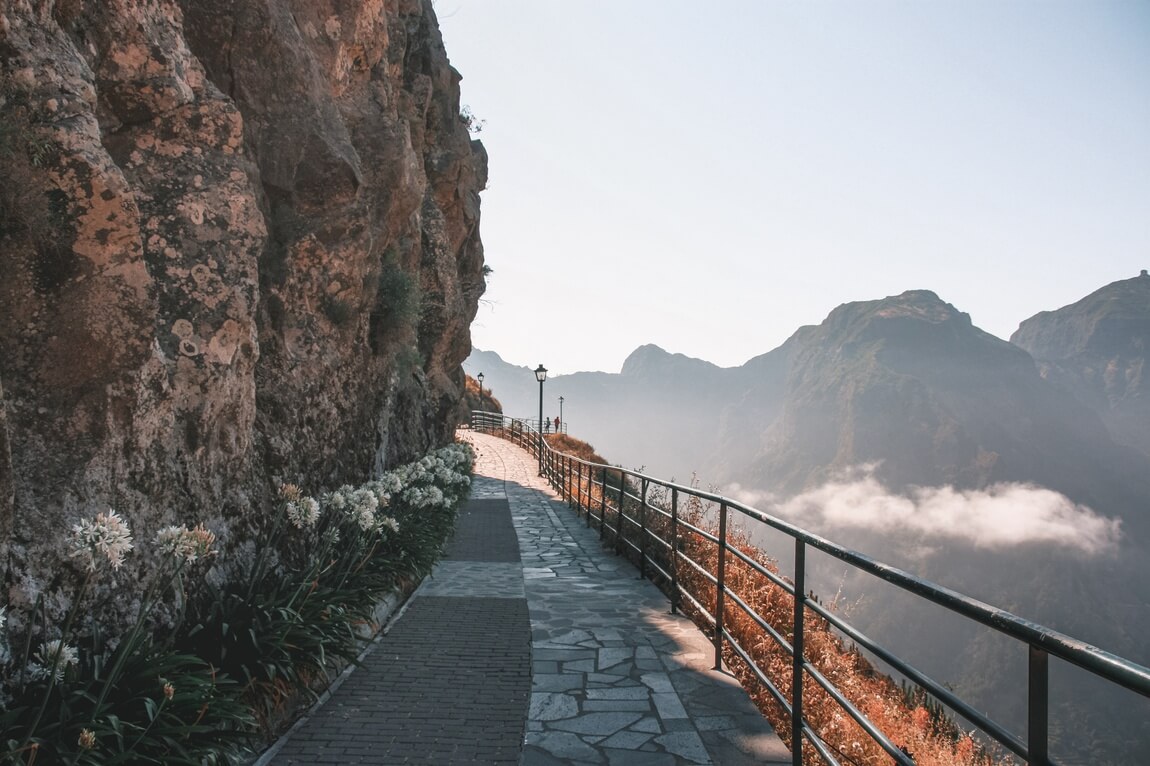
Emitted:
pixel 290 492
pixel 55 656
pixel 437 479
pixel 361 505
pixel 105 537
pixel 362 508
pixel 303 513
pixel 388 484
pixel 187 544
pixel 425 497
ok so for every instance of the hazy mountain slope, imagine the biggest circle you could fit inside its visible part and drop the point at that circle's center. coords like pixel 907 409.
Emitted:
pixel 659 412
pixel 1096 349
pixel 909 384
pixel 761 387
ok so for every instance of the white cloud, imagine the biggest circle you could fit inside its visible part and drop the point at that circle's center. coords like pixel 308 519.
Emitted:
pixel 1000 516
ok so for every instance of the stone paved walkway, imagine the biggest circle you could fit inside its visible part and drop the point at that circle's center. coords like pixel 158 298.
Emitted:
pixel 530 644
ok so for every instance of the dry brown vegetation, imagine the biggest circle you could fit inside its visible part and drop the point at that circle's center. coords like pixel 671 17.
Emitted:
pixel 474 399
pixel 910 719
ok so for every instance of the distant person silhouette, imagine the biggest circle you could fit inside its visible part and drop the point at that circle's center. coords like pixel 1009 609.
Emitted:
pixel 556 425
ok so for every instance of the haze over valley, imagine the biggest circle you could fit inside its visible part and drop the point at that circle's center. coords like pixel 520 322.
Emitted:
pixel 1016 472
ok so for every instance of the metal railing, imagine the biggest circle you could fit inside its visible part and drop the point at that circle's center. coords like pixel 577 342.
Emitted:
pixel 603 493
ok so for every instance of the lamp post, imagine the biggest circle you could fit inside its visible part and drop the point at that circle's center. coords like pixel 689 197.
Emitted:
pixel 541 375
pixel 562 422
pixel 479 377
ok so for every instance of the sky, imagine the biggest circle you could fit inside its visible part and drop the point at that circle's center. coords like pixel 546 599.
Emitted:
pixel 709 177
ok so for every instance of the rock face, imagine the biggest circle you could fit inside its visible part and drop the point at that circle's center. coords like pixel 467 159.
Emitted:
pixel 240 246
pixel 1096 349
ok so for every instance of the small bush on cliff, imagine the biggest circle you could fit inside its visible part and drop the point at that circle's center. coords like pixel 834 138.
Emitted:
pixel 473 124
pixel 339 311
pixel 399 299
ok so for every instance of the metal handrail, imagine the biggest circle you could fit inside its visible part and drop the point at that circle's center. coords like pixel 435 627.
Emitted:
pixel 1041 641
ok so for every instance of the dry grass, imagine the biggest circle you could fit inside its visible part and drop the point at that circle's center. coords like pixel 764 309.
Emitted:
pixel 474 399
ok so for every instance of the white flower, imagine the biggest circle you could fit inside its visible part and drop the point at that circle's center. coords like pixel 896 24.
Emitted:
pixel 107 535
pixel 390 483
pixel 303 512
pixel 186 544
pixel 362 510
pixel 388 522
pixel 47 657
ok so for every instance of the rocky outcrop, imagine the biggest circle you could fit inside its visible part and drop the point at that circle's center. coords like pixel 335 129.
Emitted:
pixel 1096 348
pixel 240 246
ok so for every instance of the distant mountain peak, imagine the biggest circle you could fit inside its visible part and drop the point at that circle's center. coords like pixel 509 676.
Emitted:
pixel 918 304
pixel 650 360
pixel 1112 320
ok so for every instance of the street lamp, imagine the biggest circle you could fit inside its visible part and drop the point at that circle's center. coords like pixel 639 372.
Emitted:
pixel 561 420
pixel 479 377
pixel 541 375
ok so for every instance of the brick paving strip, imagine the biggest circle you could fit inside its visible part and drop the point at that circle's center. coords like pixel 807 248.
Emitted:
pixel 529 644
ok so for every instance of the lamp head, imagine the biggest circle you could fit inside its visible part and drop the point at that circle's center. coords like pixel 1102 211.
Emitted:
pixel 541 373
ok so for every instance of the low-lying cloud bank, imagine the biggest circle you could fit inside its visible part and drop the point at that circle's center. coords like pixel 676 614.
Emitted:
pixel 1000 516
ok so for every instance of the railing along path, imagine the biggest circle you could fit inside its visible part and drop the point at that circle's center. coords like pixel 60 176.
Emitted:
pixel 603 493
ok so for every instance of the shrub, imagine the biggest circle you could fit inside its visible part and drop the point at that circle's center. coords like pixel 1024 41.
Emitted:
pixel 304 606
pixel 82 698
pixel 399 298
pixel 297 610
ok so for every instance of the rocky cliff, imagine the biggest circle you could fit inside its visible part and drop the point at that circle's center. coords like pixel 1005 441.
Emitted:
pixel 1096 348
pixel 239 245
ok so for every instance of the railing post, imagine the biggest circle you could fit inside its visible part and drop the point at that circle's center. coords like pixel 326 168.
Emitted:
pixel 567 482
pixel 674 549
pixel 797 655
pixel 721 586
pixel 585 499
pixel 603 503
pixel 643 533
pixel 1037 715
pixel 619 518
